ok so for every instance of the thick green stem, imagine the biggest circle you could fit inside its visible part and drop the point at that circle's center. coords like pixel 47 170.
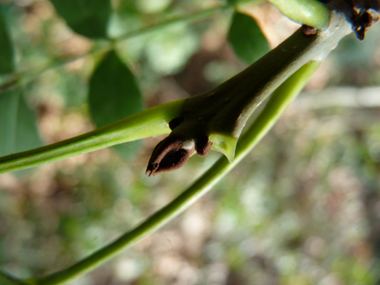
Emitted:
pixel 150 122
pixel 221 111
pixel 272 111
pixel 226 108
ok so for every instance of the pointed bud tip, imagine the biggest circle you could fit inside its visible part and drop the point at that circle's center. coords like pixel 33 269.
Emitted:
pixel 170 154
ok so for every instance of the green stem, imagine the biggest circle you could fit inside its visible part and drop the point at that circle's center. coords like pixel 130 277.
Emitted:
pixel 150 122
pixel 190 18
pixel 24 78
pixel 280 99
pixel 223 110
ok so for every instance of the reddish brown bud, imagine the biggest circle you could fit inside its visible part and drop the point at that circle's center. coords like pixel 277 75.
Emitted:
pixel 173 152
pixel 309 31
pixel 203 146
pixel 169 154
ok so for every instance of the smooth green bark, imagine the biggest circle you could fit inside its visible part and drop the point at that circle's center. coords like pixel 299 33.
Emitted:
pixel 150 122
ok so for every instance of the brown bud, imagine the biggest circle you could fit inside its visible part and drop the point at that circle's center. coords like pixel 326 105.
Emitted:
pixel 309 31
pixel 169 154
pixel 202 146
pixel 173 152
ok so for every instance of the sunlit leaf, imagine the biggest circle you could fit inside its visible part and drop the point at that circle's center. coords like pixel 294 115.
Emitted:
pixel 126 18
pixel 114 94
pixel 86 17
pixel 246 38
pixel 6 49
pixel 234 2
pixel 17 124
pixel 153 6
pixel 168 52
pixel 313 13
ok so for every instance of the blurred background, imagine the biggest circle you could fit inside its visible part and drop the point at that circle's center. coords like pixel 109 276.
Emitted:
pixel 302 208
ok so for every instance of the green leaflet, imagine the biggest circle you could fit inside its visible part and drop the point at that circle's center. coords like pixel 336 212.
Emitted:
pixel 309 12
pixel 114 94
pixel 6 49
pixel 88 18
pixel 246 38
pixel 17 124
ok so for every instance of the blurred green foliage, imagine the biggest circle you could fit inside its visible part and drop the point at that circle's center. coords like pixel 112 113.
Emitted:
pixel 303 208
pixel 19 130
pixel 6 51
pixel 113 95
pixel 255 44
pixel 86 17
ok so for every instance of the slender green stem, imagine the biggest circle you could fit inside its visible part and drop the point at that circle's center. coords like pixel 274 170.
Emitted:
pixel 24 78
pixel 272 111
pixel 150 122
pixel 190 18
